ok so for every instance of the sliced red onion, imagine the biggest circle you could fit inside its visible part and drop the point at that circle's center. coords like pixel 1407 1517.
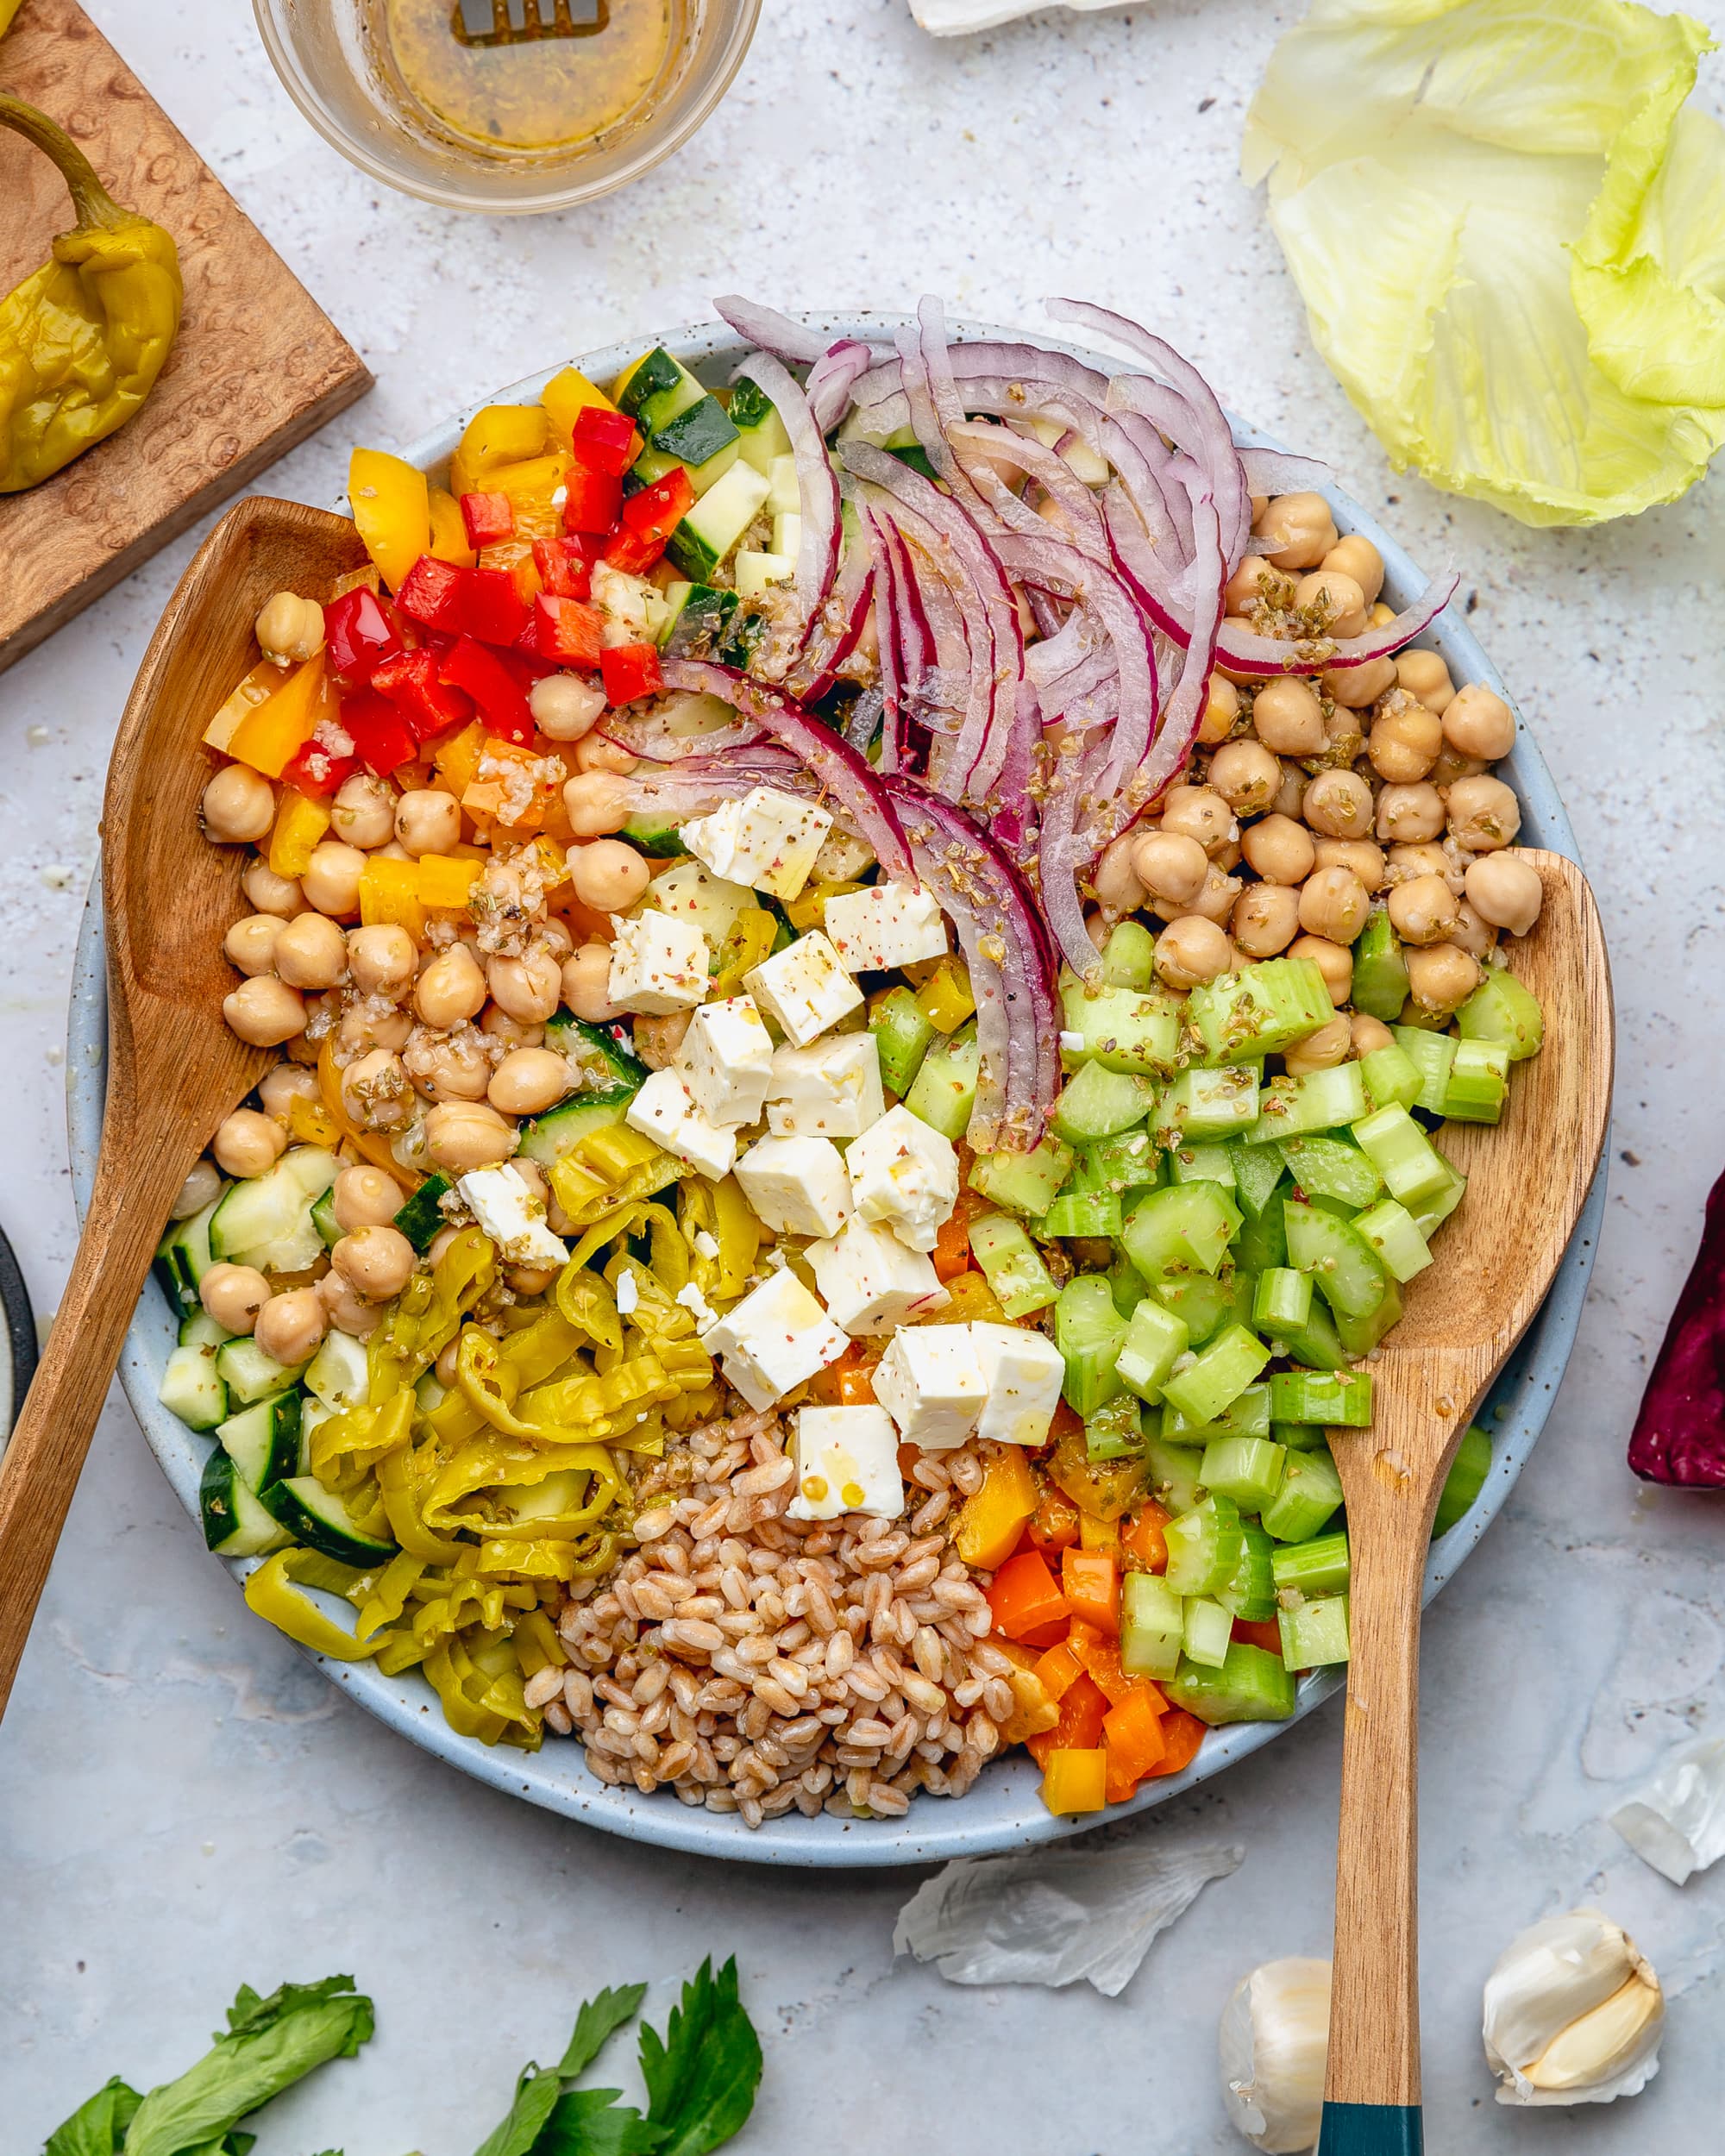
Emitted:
pixel 769 329
pixel 838 628
pixel 1275 472
pixel 1062 853
pixel 817 485
pixel 831 378
pixel 647 732
pixel 1241 651
pixel 981 446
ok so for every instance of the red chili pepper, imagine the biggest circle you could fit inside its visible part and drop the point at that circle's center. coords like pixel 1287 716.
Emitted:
pixel 564 570
pixel 630 671
pixel 633 552
pixel 605 441
pixel 358 635
pixel 411 683
pixel 313 770
pixel 490 518
pixel 591 500
pixel 487 678
pixel 381 730
pixel 431 592
pixel 657 510
pixel 568 631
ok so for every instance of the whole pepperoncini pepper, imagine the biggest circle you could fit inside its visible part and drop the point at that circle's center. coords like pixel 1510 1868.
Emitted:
pixel 82 341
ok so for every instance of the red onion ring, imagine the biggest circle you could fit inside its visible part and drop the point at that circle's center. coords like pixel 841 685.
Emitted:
pixel 1242 652
pixel 817 485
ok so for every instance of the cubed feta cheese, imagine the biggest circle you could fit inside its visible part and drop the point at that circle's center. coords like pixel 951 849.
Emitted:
pixel 696 1304
pixel 663 1110
pixel 775 1338
pixel 1023 1371
pixel 803 988
pixel 830 1089
pixel 726 1060
pixel 905 1173
pixel 503 1202
pixel 767 839
pixel 930 1380
pixel 847 1461
pixel 870 1281
pixel 796 1186
pixel 886 924
pixel 658 964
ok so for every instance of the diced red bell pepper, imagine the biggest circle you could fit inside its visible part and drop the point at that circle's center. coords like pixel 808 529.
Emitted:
pixel 358 634
pixel 564 570
pixel 633 552
pixel 1265 1633
pixel 605 441
pixel 314 771
pixel 429 705
pixel 1144 1545
pixel 591 500
pixel 490 518
pixel 656 511
pixel 628 671
pixel 492 608
pixel 486 677
pixel 431 592
pixel 381 729
pixel 568 631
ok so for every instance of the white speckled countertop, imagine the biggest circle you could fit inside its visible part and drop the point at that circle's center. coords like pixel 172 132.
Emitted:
pixel 184 1804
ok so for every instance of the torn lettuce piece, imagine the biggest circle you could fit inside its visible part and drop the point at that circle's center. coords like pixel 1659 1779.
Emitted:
pixel 1676 1821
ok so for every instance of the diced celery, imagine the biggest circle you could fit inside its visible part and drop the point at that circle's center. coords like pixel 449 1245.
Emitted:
pixel 1204 1547
pixel 1502 1008
pixel 1389 1077
pixel 1097 1102
pixel 1252 1685
pixel 1319 1100
pixel 1129 957
pixel 1431 1214
pixel 1114 1432
pixel 1314 1633
pixel 1360 1334
pixel 1242 1015
pixel 902 1033
pixel 1121 1028
pixel 1258 1172
pixel 1380 972
pixel 1123 1278
pixel 1210 1632
pixel 1173 1470
pixel 1480 1081
pixel 1205 1302
pixel 1209 1162
pixel 1247 1417
pixel 1202 1103
pixel 1311 1491
pixel 1299 1437
pixel 1431 1055
pixel 1219 1374
pixel 1403 1156
pixel 1012 1264
pixel 1089 1331
pixel 1343 1266
pixel 1332 1168
pixel 1466 1479
pixel 1317 1344
pixel 1126 1162
pixel 1023 1183
pixel 1082 1212
pixel 1183 1229
pixel 943 1091
pixel 1283 1301
pixel 1155 1340
pixel 1318 1567
pixel 1339 1399
pixel 1251 1592
pixel 1248 1470
pixel 1390 1230
pixel 1152 1625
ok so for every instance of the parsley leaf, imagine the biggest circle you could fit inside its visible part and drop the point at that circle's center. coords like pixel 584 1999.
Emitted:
pixel 701 2077
pixel 592 2123
pixel 598 2021
pixel 537 2090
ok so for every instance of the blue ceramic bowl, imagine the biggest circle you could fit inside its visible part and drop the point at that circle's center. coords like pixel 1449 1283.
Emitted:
pixel 1002 1811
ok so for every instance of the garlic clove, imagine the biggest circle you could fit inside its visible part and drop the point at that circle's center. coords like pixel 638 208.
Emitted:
pixel 1274 2039
pixel 1601 2044
pixel 1573 2013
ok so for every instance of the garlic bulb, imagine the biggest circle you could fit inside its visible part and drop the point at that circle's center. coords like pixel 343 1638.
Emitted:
pixel 1573 2013
pixel 1274 2041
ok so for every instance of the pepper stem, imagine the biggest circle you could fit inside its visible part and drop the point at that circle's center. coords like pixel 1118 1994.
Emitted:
pixel 96 209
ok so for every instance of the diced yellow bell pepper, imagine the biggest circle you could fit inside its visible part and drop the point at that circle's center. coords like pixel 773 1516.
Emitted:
pixel 391 507
pixel 500 434
pixel 311 1122
pixel 1098 1534
pixel 970 1297
pixel 446 882
pixel 530 478
pixel 808 909
pixel 1076 1781
pixel 992 1520
pixel 448 532
pixel 352 579
pixel 945 999
pixel 563 398
pixel 269 734
pixel 389 896
pixel 299 823
pixel 517 557
pixel 261 683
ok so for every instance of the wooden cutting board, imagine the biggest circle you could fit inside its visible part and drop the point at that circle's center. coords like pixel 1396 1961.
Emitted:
pixel 257 365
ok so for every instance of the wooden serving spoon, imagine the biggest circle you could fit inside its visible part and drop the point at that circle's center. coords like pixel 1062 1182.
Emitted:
pixel 1527 1180
pixel 174 1069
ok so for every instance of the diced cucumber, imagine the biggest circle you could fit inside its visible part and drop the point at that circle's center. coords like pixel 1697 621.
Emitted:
pixel 698 623
pixel 1259 1171
pixel 785 496
pixel 943 1091
pixel 1251 1594
pixel 184 1256
pixel 1080 1212
pixel 1431 1214
pixel 1283 1301
pixel 548 1136
pixel 603 1061
pixel 1252 1685
pixel 1152 1623
pixel 690 892
pixel 1012 1265
pixel 1119 1028
pixel 1394 1235
pixel 1317 1345
pixel 903 1032
pixel 423 1217
pixel 1097 1102
pixel 1023 1183
pixel 1431 1055
pixel 1502 1008
pixel 1317 1100
pixel 263 1440
pixel 1317 1567
pixel 650 832
pixel 1202 1301
pixel 266 1221
pixel 696 434
pixel 1345 1268
pixel 1248 1470
pixel 1206 1161
pixel 1478 1081
pixel 1183 1229
pixel 1247 1415
pixel 314 1168
pixel 324 1218
pixel 1360 1334
pixel 654 375
pixel 757 420
pixel 1390 1078
pixel 1126 1162
pixel 1154 1340
pixel 1336 1399
pixel 318 1518
pixel 1406 1158
pixel 337 1374
pixel 1173 1473
pixel 200 1330
pixel 1089 1331
pixel 1466 1479
pixel 758 571
pixel 193 1388
pixel 718 521
pixel 236 1523
pixel 1380 972
pixel 249 1374
pixel 1115 1431
pixel 1129 957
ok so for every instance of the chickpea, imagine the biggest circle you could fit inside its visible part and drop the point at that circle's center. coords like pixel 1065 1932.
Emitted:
pixel 464 1134
pixel 530 1280
pixel 1296 530
pixel 382 961
pixel 610 876
pixel 362 814
pixel 1369 1033
pixel 290 630
pixel 555 935
pixel 1117 887
pixel 1290 795
pixel 586 981
pixel 1190 951
pixel 376 1262
pixel 1423 674
pixel 1355 556
pixel 1357 687
pixel 596 803
pixel 200 1188
pixel 365 1197
pixel 1331 1044
pixel 448 1066
pixel 270 893
pixel 233 1296
pixel 250 944
pixel 1471 933
pixel 1334 961
pixel 529 1081
pixel 239 805
pixel 1198 811
pixel 1339 804
pixel 280 1088
pixel 248 1144
pixel 1506 890
pixel 1171 866
pixel 597 752
pixel 440 1242
pixel 1404 863
pixel 1409 815
pixel 375 1091
pixel 565 707
pixel 427 821
pixel 265 1011
pixel 1221 710
pixel 311 952
pixel 1333 903
pixel 331 881
pixel 1381 616
pixel 292 1327
pixel 1246 775
pixel 1343 740
pixel 1423 910
pixel 1215 902
pixel 535 1178
pixel 1265 919
pixel 1478 723
pixel 1441 978
pixel 1246 586
pixel 1483 814
pixel 1287 717
pixel 528 989
pixel 1278 849
pixel 1364 856
pixel 372 1025
pixel 1405 741
pixel 658 1039
pixel 349 1312
pixel 451 988
pixel 1337 597
pixel 498 1026
pixel 1451 765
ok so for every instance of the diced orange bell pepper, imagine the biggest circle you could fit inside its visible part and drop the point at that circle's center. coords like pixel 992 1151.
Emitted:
pixel 261 683
pixel 992 1520
pixel 1075 1781
pixel 564 395
pixel 391 506
pixel 1066 1424
pixel 389 896
pixel 1132 1733
pixel 268 736
pixel 951 1253
pixel 1144 1543
pixel 1266 1634
pixel 849 1382
pixel 457 759
pixel 1054 1524
pixel 1059 1668
pixel 1024 1596
pixel 1099 1654
pixel 1090 1580
pixel 299 823
pixel 969 1296
pixel 371 1145
pixel 448 533
pixel 445 881
pixel 311 1122
pixel 1181 1734
pixel 1081 1709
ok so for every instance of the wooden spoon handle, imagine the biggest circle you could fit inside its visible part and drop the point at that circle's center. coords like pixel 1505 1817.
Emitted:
pixel 40 1469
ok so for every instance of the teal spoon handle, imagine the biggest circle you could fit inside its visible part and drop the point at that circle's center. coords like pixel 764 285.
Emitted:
pixel 1371 2129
